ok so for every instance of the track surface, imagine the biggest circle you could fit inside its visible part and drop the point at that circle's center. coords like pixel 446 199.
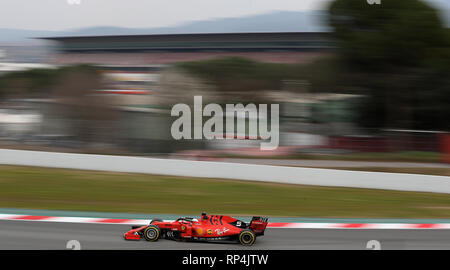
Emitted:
pixel 49 235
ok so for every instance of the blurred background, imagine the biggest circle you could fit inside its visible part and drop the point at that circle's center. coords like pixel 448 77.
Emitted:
pixel 354 81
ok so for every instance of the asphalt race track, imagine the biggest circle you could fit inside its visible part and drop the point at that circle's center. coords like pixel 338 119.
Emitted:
pixel 21 235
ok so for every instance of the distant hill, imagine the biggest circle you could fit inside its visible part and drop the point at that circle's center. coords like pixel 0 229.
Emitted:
pixel 23 36
pixel 285 21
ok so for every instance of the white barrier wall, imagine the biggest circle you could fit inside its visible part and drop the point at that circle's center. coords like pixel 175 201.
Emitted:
pixel 278 174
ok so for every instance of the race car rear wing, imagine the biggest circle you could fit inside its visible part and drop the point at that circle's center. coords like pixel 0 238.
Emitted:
pixel 258 225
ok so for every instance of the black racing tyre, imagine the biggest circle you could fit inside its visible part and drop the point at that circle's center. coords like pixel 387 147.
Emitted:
pixel 152 233
pixel 247 238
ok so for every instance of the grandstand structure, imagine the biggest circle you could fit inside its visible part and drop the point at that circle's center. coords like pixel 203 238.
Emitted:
pixel 132 63
pixel 141 50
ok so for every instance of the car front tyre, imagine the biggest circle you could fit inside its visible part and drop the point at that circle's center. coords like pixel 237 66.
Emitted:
pixel 152 233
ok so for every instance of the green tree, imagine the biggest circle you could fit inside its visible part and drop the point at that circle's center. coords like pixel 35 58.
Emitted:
pixel 240 79
pixel 91 115
pixel 399 50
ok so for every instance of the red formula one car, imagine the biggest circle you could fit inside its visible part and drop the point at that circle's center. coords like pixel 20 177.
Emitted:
pixel 208 228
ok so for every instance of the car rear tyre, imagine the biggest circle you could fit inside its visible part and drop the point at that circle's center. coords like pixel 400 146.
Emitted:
pixel 247 238
pixel 152 233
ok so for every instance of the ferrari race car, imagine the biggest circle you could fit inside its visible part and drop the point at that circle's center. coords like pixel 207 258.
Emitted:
pixel 208 228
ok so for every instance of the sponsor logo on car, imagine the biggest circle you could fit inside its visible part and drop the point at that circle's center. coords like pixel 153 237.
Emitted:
pixel 220 232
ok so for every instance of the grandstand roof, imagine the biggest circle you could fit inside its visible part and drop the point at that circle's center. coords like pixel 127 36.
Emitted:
pixel 288 41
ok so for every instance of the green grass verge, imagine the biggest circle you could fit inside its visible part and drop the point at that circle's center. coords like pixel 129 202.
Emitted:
pixel 61 189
